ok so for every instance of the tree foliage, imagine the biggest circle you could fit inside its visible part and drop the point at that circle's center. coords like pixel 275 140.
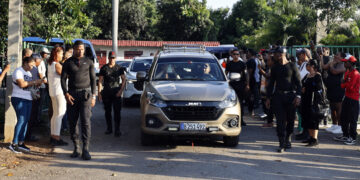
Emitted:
pixel 58 18
pixel 183 20
pixel 137 18
pixel 333 11
pixel 4 14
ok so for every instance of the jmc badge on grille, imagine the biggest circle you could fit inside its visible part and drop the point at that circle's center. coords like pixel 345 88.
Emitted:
pixel 194 104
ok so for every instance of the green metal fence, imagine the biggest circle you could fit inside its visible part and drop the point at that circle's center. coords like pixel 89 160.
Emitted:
pixel 353 50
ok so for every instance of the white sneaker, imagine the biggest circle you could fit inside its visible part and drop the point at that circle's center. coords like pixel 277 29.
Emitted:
pixel 330 129
pixel 338 130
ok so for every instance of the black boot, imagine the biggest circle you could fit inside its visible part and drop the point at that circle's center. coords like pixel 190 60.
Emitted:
pixel 303 136
pixel 312 142
pixel 85 153
pixel 288 142
pixel 76 152
pixel 281 148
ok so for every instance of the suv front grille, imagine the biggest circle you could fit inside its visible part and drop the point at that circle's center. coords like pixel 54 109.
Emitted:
pixel 203 113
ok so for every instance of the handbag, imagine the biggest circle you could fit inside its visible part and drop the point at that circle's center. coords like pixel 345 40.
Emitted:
pixel 35 92
pixel 319 103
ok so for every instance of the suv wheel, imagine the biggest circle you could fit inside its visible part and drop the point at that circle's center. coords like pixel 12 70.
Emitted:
pixel 231 141
pixel 147 139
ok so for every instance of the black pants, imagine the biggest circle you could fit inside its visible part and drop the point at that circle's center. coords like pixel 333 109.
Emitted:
pixel 239 88
pixel 254 97
pixel 269 112
pixel 33 121
pixel 284 111
pixel 82 108
pixel 349 117
pixel 112 102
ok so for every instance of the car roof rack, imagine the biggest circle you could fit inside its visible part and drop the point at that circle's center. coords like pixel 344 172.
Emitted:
pixel 183 48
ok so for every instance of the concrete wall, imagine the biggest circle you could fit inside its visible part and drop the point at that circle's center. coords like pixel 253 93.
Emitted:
pixel 121 50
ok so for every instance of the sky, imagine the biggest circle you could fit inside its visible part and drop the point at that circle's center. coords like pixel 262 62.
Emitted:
pixel 214 4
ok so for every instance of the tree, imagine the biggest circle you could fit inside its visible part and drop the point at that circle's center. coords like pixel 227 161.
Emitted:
pixel 4 14
pixel 183 20
pixel 58 18
pixel 246 17
pixel 219 18
pixel 137 18
pixel 333 11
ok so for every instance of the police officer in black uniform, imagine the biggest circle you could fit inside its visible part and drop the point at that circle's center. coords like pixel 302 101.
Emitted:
pixel 286 97
pixel 80 95
pixel 241 86
pixel 111 92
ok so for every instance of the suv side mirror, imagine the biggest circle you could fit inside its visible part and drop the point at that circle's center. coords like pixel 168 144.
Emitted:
pixel 141 75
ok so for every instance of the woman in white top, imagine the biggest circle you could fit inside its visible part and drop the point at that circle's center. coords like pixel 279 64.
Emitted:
pixel 57 96
pixel 21 100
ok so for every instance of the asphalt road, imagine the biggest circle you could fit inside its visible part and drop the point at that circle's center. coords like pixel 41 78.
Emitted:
pixel 253 158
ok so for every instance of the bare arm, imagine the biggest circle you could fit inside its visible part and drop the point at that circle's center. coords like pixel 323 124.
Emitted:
pixel 58 69
pixel 101 78
pixel 6 69
pixel 338 70
pixel 123 80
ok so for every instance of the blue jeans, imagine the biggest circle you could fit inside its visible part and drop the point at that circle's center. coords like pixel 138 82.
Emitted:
pixel 23 111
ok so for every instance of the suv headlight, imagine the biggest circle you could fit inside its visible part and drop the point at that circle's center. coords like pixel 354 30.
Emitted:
pixel 229 101
pixel 154 100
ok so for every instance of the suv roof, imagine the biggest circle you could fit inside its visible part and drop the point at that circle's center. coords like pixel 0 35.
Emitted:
pixel 177 54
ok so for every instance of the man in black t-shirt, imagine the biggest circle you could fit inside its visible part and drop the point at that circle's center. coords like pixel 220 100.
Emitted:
pixel 111 93
pixel 241 85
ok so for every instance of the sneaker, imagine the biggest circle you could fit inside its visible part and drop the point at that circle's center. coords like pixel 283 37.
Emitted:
pixel 350 141
pixel 338 130
pixel 341 138
pixel 24 148
pixel 14 148
pixel 332 128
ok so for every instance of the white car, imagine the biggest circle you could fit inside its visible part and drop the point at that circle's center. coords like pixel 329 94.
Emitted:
pixel 133 89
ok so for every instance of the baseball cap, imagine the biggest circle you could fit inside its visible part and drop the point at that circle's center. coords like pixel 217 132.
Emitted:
pixel 305 51
pixel 112 54
pixel 45 50
pixel 349 58
pixel 279 49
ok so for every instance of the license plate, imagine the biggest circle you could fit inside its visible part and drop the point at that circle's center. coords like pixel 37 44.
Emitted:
pixel 193 126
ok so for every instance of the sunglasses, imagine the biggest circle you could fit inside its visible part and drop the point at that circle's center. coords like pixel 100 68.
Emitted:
pixel 236 54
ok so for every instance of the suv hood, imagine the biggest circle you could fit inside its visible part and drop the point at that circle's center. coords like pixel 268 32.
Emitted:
pixel 191 90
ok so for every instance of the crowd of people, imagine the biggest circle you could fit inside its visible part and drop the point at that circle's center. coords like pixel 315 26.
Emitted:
pixel 304 87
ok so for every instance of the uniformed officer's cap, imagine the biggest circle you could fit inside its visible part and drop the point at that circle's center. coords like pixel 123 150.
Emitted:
pixel 112 54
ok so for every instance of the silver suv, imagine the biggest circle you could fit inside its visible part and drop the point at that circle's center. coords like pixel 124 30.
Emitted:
pixel 187 93
pixel 134 88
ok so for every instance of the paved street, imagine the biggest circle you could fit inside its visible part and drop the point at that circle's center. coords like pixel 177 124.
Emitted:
pixel 253 158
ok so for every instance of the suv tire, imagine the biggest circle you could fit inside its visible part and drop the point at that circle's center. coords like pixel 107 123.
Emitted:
pixel 147 139
pixel 231 141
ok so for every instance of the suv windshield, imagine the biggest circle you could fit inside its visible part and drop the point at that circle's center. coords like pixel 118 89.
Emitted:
pixel 141 65
pixel 188 69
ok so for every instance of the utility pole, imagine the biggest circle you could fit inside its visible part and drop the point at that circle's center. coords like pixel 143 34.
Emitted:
pixel 115 16
pixel 14 52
